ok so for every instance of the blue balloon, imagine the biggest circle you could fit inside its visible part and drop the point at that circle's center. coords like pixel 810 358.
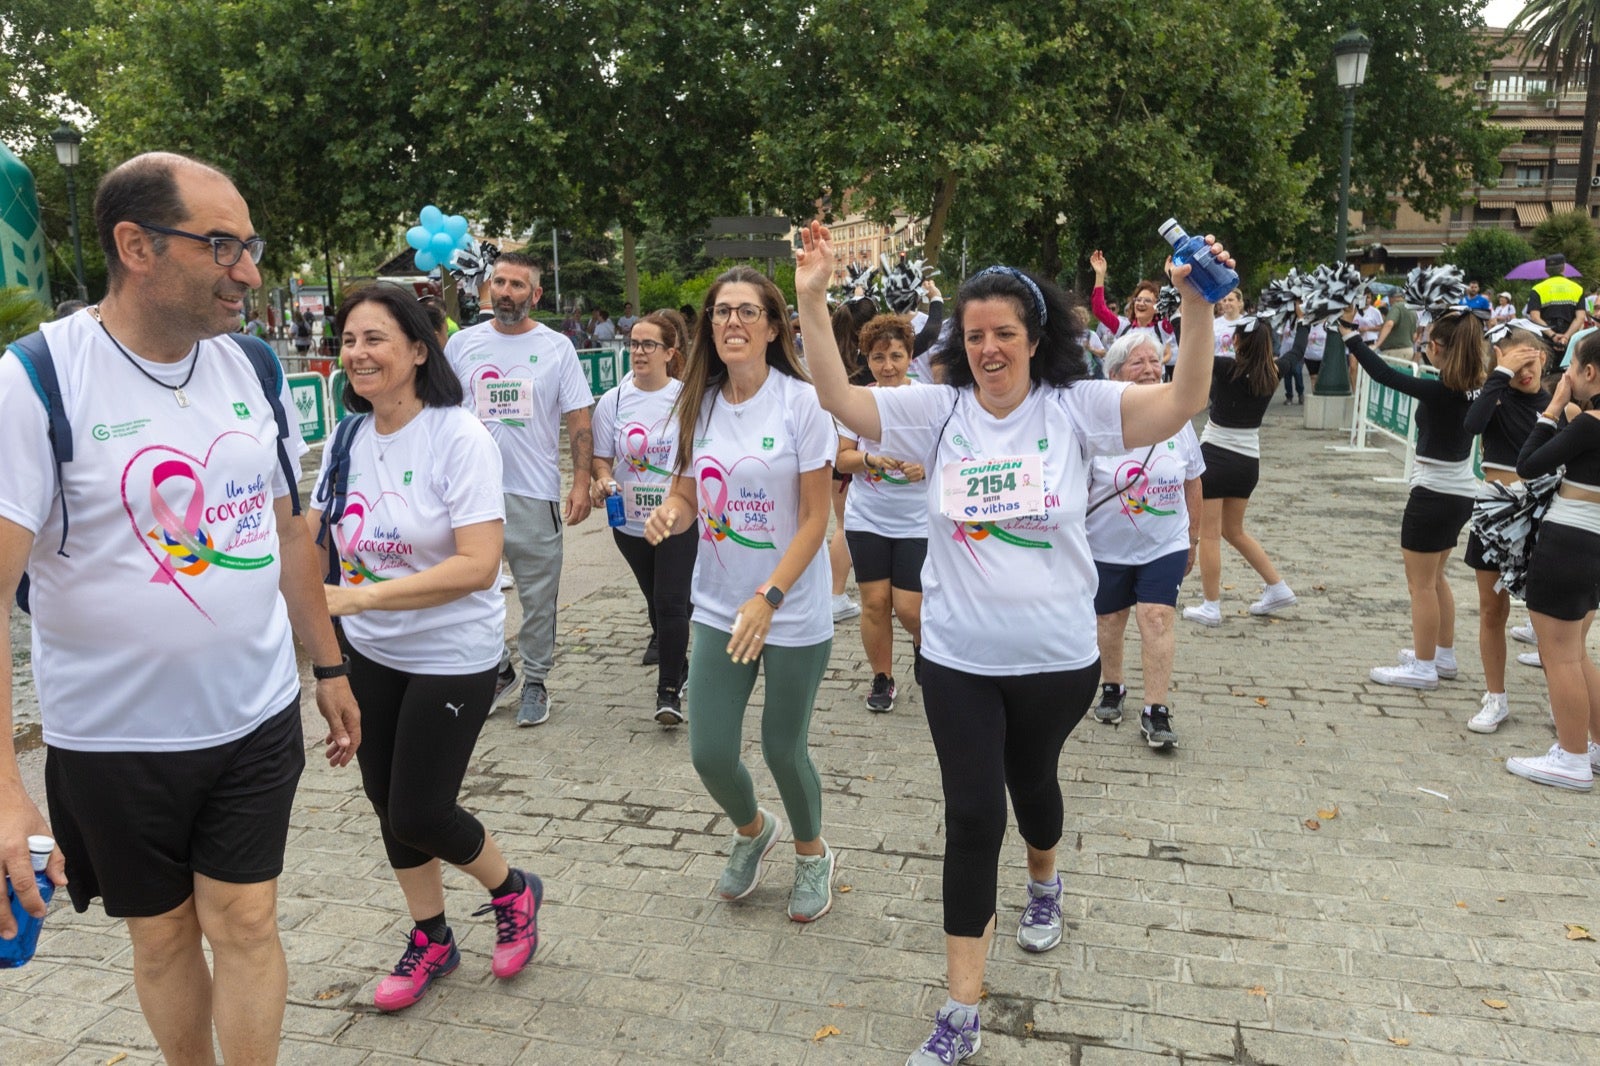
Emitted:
pixel 466 242
pixel 456 226
pixel 431 218
pixel 418 237
pixel 425 261
pixel 442 246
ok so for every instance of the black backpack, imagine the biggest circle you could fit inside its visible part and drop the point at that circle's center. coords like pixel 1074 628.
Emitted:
pixel 334 488
pixel 40 366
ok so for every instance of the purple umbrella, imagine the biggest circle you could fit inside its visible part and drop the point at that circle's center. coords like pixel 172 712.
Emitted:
pixel 1533 270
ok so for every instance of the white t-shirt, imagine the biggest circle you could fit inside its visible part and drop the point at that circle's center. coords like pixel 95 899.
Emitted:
pixel 888 505
pixel 748 459
pixel 1369 322
pixel 544 358
pixel 1012 597
pixel 1146 516
pixel 162 628
pixel 639 430
pixel 408 494
pixel 1222 335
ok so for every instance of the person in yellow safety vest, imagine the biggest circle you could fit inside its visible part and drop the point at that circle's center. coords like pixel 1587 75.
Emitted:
pixel 1557 301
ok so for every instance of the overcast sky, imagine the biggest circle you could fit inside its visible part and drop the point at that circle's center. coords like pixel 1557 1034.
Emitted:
pixel 1501 12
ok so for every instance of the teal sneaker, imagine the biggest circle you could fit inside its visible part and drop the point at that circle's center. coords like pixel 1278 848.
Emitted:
pixel 743 872
pixel 813 886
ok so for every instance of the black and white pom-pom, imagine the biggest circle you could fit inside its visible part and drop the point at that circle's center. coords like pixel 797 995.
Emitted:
pixel 472 266
pixel 1431 290
pixel 1169 303
pixel 1507 524
pixel 859 279
pixel 1329 290
pixel 900 284
pixel 1277 300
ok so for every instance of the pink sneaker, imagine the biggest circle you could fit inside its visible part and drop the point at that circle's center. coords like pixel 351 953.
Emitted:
pixel 422 962
pixel 516 926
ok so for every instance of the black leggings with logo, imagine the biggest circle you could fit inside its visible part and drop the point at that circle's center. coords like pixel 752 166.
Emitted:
pixel 663 572
pixel 993 735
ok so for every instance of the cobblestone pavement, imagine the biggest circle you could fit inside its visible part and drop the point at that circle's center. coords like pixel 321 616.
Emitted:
pixel 1326 871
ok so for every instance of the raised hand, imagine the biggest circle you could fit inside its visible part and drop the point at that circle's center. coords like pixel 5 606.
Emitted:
pixel 1097 263
pixel 813 260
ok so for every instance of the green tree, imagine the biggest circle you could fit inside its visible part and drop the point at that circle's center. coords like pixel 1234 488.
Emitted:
pixel 1487 254
pixel 1561 37
pixel 33 34
pixel 1571 234
pixel 20 314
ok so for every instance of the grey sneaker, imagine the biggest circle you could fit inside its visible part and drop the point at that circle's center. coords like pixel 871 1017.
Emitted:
pixel 743 872
pixel 1109 709
pixel 955 1039
pixel 505 684
pixel 1039 928
pixel 535 709
pixel 812 896
pixel 1156 724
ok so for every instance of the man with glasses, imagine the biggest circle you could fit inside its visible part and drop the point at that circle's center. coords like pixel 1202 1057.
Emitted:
pixel 523 378
pixel 163 605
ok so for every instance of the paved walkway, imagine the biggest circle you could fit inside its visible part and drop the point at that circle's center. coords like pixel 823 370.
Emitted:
pixel 1282 890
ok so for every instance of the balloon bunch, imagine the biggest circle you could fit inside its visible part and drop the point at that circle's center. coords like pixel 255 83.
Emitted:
pixel 438 237
pixel 900 284
pixel 1430 290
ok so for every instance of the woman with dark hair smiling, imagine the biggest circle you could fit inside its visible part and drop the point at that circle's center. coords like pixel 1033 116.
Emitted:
pixel 754 462
pixel 1008 622
pixel 417 538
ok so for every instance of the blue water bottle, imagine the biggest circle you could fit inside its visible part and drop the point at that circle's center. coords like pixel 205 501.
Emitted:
pixel 616 515
pixel 18 951
pixel 1209 276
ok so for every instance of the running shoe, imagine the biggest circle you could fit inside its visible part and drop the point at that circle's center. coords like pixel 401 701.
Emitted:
pixel 1494 711
pixel 1556 767
pixel 1273 598
pixel 844 608
pixel 505 683
pixel 1525 634
pixel 1039 928
pixel 1155 722
pixel 812 895
pixel 1207 614
pixel 1109 710
pixel 955 1039
pixel 652 652
pixel 535 709
pixel 743 872
pixel 422 962
pixel 1594 756
pixel 881 699
pixel 669 707
pixel 1445 668
pixel 516 926
pixel 1530 658
pixel 1408 675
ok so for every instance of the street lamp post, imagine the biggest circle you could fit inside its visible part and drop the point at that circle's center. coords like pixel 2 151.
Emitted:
pixel 1350 54
pixel 67 141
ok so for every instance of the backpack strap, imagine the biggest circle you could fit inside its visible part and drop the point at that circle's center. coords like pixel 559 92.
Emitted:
pixel 334 488
pixel 40 365
pixel 270 372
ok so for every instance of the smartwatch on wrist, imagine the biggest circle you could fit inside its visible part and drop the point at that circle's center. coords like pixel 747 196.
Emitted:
pixel 328 673
pixel 773 595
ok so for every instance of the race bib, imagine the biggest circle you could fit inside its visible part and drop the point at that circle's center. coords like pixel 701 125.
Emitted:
pixel 992 490
pixel 499 399
pixel 642 499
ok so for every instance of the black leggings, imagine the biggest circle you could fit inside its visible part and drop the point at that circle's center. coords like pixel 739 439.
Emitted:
pixel 664 572
pixel 994 735
pixel 417 734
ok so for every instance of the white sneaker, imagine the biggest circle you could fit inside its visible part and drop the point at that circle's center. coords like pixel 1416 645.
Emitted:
pixel 844 607
pixel 1446 667
pixel 1410 675
pixel 1530 658
pixel 1556 767
pixel 507 582
pixel 1594 757
pixel 1525 634
pixel 1494 711
pixel 1271 601
pixel 1207 614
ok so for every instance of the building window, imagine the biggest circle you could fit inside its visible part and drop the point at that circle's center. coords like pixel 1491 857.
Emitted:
pixel 1507 87
pixel 1528 176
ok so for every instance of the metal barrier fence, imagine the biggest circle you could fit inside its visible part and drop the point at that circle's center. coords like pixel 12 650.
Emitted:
pixel 1391 413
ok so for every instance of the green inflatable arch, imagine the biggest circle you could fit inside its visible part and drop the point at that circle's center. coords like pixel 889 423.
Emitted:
pixel 22 250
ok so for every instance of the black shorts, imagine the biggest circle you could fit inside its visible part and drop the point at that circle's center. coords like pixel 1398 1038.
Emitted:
pixel 1313 366
pixel 1433 520
pixel 1228 475
pixel 892 559
pixel 136 826
pixel 1564 572
pixel 1122 585
pixel 1474 557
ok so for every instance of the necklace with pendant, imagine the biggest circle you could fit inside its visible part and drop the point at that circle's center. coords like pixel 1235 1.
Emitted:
pixel 177 390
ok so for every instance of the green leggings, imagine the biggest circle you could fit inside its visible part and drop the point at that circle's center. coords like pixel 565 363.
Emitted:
pixel 719 689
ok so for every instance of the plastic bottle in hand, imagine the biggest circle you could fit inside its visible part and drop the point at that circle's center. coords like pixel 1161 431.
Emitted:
pixel 616 514
pixel 1213 279
pixel 19 950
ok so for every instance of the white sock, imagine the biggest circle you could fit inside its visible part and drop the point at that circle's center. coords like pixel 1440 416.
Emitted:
pixel 1051 887
pixel 1281 586
pixel 959 1012
pixel 1445 655
pixel 1212 603
pixel 1427 663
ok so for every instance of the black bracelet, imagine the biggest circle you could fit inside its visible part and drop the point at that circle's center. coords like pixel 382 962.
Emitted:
pixel 328 673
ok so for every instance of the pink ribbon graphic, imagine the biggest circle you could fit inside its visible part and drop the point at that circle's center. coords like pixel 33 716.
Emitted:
pixel 636 441
pixel 186 530
pixel 714 501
